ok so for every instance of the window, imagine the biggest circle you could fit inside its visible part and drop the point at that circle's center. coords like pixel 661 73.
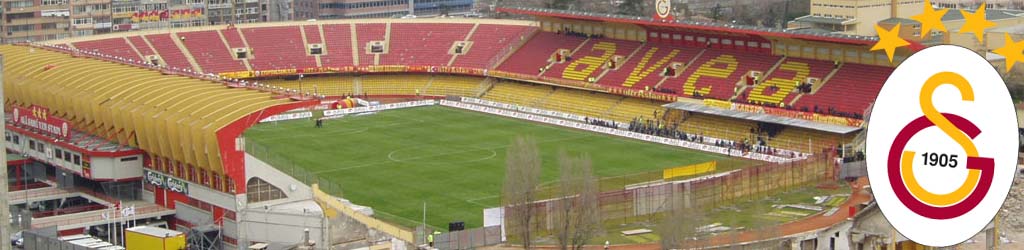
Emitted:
pixel 17 139
pixel 32 144
pixel 67 156
pixel 55 2
pixel 57 153
pixel 78 160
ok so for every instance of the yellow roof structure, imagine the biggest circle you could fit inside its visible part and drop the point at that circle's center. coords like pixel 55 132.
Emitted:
pixel 169 116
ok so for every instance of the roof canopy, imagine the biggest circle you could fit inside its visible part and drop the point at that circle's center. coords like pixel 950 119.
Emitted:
pixel 169 116
pixel 698 26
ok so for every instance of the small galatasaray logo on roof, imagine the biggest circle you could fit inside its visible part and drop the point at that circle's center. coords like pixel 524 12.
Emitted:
pixel 942 146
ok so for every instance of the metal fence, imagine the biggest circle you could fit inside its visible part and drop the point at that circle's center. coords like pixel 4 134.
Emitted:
pixel 643 200
pixel 282 163
pixel 469 239
pixel 47 239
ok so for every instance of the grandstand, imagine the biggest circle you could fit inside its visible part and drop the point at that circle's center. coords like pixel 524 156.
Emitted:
pixel 212 84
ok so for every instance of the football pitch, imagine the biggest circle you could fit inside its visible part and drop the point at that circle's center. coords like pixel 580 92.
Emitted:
pixel 453 160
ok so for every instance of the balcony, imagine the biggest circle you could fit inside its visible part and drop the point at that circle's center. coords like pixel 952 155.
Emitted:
pixel 35 20
pixel 88 2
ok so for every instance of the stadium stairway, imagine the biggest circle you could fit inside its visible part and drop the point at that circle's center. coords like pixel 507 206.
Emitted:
pixel 235 41
pixel 423 44
pixel 279 47
pixel 509 51
pixel 465 39
pixel 176 38
pixel 781 85
pixel 717 71
pixel 679 71
pixel 387 42
pixel 742 92
pixel 141 45
pixel 815 88
pixel 163 46
pixel 590 57
pixel 311 35
pixel 644 68
pixel 119 47
pixel 537 52
pixel 850 90
pixel 338 45
pixel 624 60
pixel 135 49
pixel 492 42
pixel 364 33
pixel 211 52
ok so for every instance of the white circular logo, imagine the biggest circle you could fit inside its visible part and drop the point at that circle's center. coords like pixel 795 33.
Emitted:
pixel 663 7
pixel 942 146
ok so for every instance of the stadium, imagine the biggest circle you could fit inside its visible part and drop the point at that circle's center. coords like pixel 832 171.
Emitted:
pixel 389 133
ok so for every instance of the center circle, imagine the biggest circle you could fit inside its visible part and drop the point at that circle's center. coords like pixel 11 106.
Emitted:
pixel 441 155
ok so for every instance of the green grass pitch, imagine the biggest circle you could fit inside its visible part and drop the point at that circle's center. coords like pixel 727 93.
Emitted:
pixel 452 159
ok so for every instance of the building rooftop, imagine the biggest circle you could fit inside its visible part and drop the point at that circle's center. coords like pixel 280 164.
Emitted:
pixel 955 15
pixel 155 231
pixel 895 20
pixel 825 20
pixel 1015 29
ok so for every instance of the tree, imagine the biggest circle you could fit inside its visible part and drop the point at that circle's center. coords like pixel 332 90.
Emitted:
pixel 770 20
pixel 716 12
pixel 678 227
pixel 560 4
pixel 577 213
pixel 522 175
pixel 634 8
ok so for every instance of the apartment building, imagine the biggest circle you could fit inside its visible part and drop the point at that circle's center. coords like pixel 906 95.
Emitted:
pixel 37 20
pixel 334 9
pixel 855 17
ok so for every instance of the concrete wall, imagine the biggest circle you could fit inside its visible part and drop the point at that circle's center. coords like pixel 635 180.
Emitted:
pixel 106 167
pixel 866 12
pixel 194 216
pixel 293 188
pixel 280 229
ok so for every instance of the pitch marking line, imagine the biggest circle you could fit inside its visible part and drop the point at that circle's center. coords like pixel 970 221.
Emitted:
pixel 450 153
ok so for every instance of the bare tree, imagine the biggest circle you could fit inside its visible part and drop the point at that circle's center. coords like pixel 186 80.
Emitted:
pixel 678 227
pixel 522 175
pixel 577 211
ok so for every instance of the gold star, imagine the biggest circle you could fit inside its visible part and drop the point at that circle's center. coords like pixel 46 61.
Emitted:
pixel 930 19
pixel 976 23
pixel 1013 51
pixel 889 40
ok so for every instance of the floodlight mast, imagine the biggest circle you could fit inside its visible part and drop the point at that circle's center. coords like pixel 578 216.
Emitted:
pixel 5 209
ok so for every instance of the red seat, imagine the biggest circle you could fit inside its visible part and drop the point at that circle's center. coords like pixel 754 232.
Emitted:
pixel 169 51
pixel 535 53
pixel 210 52
pixel 278 48
pixel 490 42
pixel 851 90
pixel 112 46
pixel 338 46
pixel 423 44
pixel 590 58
